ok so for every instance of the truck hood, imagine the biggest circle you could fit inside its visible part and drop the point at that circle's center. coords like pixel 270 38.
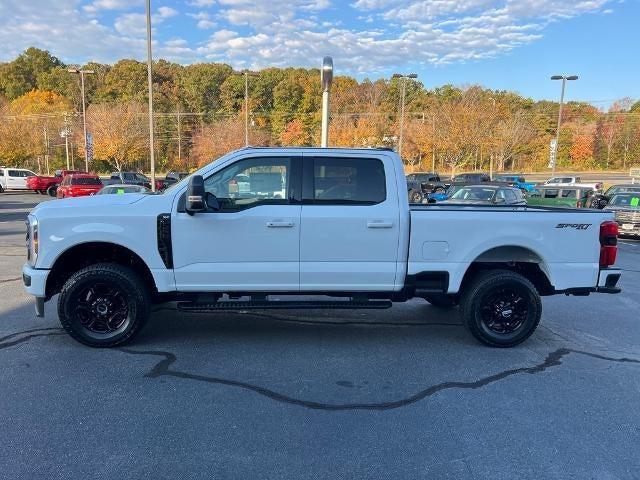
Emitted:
pixel 91 201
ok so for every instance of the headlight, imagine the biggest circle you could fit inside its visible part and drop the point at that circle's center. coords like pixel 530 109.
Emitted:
pixel 33 240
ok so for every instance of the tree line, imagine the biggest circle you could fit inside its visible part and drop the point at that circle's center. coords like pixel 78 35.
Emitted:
pixel 199 115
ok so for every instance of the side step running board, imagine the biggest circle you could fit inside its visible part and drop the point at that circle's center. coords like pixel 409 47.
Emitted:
pixel 279 305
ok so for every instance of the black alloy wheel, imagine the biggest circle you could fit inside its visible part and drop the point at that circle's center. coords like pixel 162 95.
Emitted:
pixel 501 308
pixel 104 305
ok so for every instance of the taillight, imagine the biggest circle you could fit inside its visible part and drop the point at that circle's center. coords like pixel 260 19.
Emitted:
pixel 608 243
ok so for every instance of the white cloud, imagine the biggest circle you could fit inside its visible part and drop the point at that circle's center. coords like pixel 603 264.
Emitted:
pixel 135 24
pixel 204 20
pixel 388 34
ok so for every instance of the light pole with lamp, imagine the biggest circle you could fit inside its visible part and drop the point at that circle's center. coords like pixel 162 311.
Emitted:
pixel 403 78
pixel 82 73
pixel 555 149
pixel 326 77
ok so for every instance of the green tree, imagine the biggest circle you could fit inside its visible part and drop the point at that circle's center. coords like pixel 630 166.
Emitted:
pixel 20 76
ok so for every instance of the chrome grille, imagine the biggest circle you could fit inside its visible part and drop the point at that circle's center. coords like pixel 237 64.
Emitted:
pixel 628 217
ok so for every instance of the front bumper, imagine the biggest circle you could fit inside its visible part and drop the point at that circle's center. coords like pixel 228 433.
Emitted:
pixel 35 282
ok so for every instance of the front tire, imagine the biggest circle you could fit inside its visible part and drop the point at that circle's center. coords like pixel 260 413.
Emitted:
pixel 501 308
pixel 52 190
pixel 104 305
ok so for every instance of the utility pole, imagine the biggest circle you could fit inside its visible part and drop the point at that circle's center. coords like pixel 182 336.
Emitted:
pixel 564 79
pixel 82 73
pixel 403 78
pixel 179 139
pixel 64 133
pixel 46 149
pixel 150 91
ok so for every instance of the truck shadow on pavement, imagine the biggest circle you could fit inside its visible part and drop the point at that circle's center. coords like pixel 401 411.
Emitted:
pixel 227 328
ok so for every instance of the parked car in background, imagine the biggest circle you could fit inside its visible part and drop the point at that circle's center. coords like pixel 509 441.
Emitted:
pixel 600 200
pixel 79 185
pixel 14 178
pixel 626 207
pixel 174 177
pixel 573 181
pixel 516 180
pixel 486 195
pixel 568 196
pixel 471 178
pixel 135 178
pixel 121 189
pixel 46 183
pixel 420 185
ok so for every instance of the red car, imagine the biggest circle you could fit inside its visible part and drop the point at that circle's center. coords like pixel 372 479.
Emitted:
pixel 79 185
pixel 47 184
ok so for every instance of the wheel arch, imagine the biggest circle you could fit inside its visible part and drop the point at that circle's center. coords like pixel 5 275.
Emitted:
pixel 84 254
pixel 523 260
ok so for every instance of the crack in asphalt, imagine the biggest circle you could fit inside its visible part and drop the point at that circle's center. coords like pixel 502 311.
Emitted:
pixel 162 369
pixel 11 280
pixel 34 333
pixel 553 359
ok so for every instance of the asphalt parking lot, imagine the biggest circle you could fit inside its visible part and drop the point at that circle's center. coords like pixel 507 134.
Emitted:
pixel 403 393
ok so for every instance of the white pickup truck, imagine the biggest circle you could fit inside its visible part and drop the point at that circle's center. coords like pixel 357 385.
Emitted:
pixel 330 226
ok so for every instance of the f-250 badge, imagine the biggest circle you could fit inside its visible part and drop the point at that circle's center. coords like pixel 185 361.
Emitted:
pixel 577 226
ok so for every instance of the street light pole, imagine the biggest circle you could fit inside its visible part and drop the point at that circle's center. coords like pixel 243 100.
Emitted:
pixel 403 78
pixel 246 108
pixel 150 91
pixel 564 79
pixel 82 73
pixel 326 78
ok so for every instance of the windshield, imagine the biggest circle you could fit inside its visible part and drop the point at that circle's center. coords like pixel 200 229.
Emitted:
pixel 121 189
pixel 474 193
pixel 622 189
pixel 626 200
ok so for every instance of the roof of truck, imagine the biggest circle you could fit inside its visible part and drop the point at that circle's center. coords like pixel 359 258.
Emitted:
pixel 366 149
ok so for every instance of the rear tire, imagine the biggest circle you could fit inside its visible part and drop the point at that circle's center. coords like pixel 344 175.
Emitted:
pixel 415 196
pixel 52 190
pixel 500 308
pixel 104 305
pixel 1 189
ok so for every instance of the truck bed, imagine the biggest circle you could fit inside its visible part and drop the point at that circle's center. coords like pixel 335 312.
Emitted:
pixel 563 241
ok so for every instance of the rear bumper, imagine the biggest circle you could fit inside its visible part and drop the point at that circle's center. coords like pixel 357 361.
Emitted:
pixel 608 280
pixel 607 283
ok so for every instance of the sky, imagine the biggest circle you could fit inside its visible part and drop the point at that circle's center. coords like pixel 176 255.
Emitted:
pixel 500 44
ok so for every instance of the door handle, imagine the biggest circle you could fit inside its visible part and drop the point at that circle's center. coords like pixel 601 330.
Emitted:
pixel 279 224
pixel 379 224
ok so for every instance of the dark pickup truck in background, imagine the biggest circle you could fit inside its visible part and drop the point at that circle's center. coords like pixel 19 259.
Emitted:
pixel 134 178
pixel 419 185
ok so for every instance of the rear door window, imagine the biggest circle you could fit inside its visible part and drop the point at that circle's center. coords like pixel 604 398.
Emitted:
pixel 568 193
pixel 551 193
pixel 348 181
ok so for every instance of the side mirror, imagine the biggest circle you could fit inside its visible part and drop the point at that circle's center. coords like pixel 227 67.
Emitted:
pixel 195 200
